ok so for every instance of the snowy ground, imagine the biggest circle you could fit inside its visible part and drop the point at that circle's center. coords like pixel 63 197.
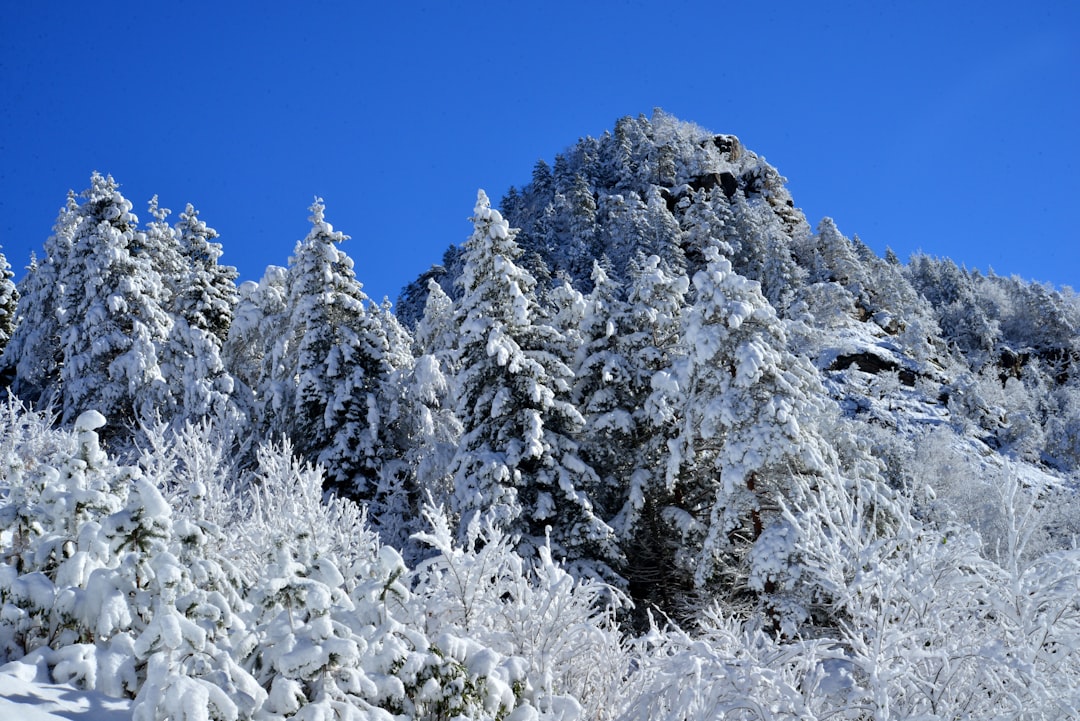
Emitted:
pixel 27 695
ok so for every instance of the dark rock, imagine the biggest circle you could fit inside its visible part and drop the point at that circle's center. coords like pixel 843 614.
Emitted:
pixel 725 181
pixel 728 145
pixel 874 364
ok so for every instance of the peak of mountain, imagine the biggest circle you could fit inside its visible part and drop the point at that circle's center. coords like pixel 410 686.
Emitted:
pixel 624 194
pixel 981 352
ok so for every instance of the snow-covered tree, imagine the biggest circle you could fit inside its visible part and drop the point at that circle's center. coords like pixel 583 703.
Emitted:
pixel 663 235
pixel 258 323
pixel 423 432
pixel 629 164
pixel 610 390
pixel 56 505
pixel 306 658
pixel 435 331
pixel 517 610
pixel 33 356
pixel 573 228
pixel 624 229
pixel 749 429
pixel 651 341
pixel 763 252
pixel 951 292
pixel 108 314
pixel 321 388
pixel 195 384
pixel 828 256
pixel 206 292
pixel 9 301
pixel 518 459
pixel 158 245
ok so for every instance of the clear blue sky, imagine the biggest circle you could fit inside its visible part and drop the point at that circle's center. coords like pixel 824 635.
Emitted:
pixel 946 127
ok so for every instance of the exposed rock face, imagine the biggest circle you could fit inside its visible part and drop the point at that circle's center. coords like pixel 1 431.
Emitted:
pixel 874 364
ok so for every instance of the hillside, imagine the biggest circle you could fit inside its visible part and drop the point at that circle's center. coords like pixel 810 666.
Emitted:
pixel 645 424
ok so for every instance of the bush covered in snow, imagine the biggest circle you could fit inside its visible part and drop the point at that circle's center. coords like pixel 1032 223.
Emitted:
pixel 258 599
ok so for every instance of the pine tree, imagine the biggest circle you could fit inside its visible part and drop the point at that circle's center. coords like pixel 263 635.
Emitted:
pixel 543 185
pixel 608 390
pixel 763 252
pixel 249 351
pixel 435 331
pixel 579 245
pixel 706 218
pixel 652 342
pixel 964 321
pixel 9 301
pixel 159 247
pixel 423 433
pixel 199 386
pixel 33 356
pixel 629 163
pixel 664 237
pixel 517 460
pixel 830 257
pixel 750 427
pixel 422 422
pixel 624 230
pixel 307 658
pixel 206 292
pixel 196 384
pixel 110 355
pixel 322 389
pixel 395 494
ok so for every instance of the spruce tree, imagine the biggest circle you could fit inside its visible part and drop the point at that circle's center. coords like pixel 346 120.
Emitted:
pixel 435 331
pixel 664 237
pixel 608 390
pixel 32 357
pixel 623 229
pixel 517 459
pixel 750 429
pixel 763 251
pixel 9 301
pixel 579 244
pixel 249 350
pixel 196 384
pixel 651 341
pixel 323 386
pixel 206 293
pixel 160 249
pixel 101 314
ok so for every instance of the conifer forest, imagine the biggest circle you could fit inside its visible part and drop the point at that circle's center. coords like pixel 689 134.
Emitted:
pixel 646 445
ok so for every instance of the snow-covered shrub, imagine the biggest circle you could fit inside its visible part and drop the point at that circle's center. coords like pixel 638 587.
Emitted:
pixel 562 629
pixel 56 507
pixel 927 626
pixel 727 669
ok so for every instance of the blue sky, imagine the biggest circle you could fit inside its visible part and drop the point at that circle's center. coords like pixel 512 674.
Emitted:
pixel 946 127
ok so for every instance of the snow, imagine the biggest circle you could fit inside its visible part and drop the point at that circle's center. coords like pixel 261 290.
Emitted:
pixel 89 421
pixel 26 694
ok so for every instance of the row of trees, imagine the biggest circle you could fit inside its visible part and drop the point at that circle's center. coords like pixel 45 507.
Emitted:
pixel 123 320
pixel 548 412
